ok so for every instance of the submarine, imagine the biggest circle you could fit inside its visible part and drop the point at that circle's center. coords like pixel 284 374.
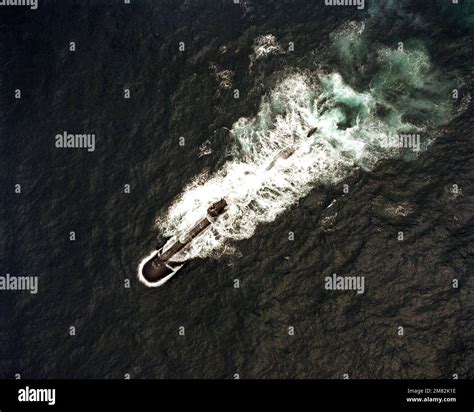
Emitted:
pixel 160 267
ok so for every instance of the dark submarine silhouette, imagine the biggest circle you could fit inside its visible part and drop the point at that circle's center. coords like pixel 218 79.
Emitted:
pixel 161 267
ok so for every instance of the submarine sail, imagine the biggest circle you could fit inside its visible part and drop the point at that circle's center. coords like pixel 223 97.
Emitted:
pixel 160 267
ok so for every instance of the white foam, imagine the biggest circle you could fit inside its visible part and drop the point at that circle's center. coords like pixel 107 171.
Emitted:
pixel 256 195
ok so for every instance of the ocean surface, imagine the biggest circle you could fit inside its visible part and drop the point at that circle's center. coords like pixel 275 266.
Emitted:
pixel 217 90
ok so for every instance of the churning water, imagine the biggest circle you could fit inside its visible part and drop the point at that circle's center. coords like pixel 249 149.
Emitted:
pixel 332 128
pixel 348 78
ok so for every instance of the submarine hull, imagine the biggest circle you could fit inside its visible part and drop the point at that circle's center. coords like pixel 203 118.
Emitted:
pixel 156 271
pixel 160 267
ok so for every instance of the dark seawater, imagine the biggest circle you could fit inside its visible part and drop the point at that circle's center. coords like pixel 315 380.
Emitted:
pixel 135 330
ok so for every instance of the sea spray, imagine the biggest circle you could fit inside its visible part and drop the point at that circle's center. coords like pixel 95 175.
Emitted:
pixel 352 129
